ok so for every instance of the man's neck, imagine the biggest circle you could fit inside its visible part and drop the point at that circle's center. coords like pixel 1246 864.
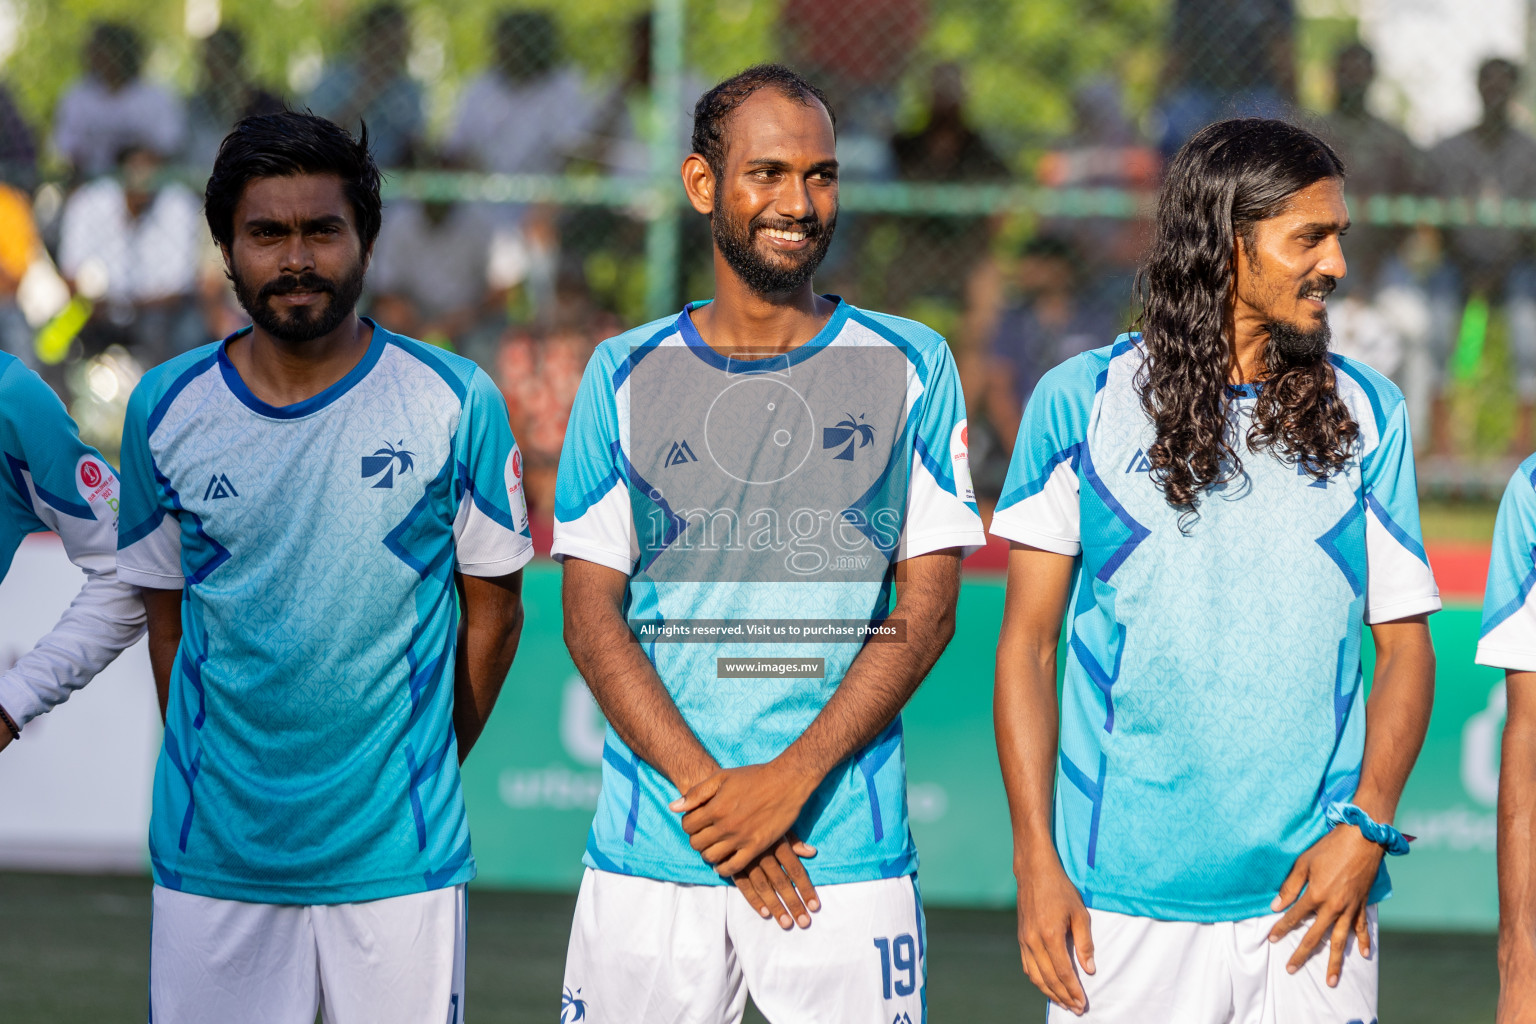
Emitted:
pixel 1249 340
pixel 283 373
pixel 743 322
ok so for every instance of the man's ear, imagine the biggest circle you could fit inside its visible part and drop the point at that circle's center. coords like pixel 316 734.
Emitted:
pixel 699 183
pixel 229 263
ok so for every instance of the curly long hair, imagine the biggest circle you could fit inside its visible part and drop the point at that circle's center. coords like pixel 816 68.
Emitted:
pixel 1225 180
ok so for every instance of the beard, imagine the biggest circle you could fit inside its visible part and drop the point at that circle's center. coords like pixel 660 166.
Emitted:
pixel 302 324
pixel 1291 345
pixel 769 276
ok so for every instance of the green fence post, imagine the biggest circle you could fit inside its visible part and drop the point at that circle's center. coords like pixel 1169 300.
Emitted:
pixel 667 27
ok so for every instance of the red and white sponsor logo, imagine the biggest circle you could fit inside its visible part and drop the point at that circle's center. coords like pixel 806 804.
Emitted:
pixel 960 460
pixel 97 486
pixel 517 464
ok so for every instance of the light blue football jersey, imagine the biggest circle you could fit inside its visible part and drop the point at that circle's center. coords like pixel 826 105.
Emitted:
pixel 1213 705
pixel 1508 638
pixel 774 493
pixel 309 752
pixel 51 480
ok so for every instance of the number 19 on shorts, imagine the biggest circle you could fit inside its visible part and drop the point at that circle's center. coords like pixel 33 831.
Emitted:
pixel 898 965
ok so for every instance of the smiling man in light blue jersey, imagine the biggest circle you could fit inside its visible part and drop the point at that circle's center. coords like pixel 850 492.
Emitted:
pixel 743 489
pixel 51 480
pixel 1224 503
pixel 307 504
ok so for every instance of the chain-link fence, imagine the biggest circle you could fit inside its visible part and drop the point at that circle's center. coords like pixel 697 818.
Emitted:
pixel 998 159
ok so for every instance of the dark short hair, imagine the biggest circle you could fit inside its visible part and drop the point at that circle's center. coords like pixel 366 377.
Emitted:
pixel 715 107
pixel 285 144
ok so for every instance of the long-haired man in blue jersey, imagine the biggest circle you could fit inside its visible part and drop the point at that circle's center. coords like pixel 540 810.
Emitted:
pixel 762 505
pixel 51 480
pixel 1215 505
pixel 327 521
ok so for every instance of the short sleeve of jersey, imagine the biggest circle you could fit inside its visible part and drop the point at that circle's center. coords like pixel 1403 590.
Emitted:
pixel 1399 582
pixel 149 539
pixel 941 505
pixel 490 532
pixel 1039 503
pixel 593 518
pixel 1508 637
pixel 54 480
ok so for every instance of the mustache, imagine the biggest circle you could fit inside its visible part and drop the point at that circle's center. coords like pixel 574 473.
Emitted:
pixel 1322 283
pixel 286 284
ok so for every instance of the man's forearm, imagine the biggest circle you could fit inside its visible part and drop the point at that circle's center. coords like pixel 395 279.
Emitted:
pixel 881 679
pixel 1396 717
pixel 1025 714
pixel 1517 825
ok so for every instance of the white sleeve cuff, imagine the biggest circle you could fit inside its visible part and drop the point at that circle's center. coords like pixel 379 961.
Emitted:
pixel 565 548
pixel 1506 658
pixel 501 566
pixel 1402 608
pixel 1022 534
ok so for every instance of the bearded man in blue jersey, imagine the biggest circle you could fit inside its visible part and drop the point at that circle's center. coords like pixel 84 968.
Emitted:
pixel 743 489
pixel 1223 502
pixel 327 521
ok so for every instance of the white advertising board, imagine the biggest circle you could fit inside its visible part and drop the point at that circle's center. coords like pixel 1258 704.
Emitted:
pixel 75 789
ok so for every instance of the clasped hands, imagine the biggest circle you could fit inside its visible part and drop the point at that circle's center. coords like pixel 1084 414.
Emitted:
pixel 740 821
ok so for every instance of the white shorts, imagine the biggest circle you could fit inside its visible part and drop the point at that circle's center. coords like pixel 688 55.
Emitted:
pixel 649 952
pixel 391 961
pixel 1150 972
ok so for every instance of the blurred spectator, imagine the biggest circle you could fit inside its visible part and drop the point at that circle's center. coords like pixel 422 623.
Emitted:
pixel 1104 151
pixel 1381 313
pixel 1490 162
pixel 623 123
pixel 1226 58
pixel 856 51
pixel 529 110
pixel 1044 324
pixel 225 93
pixel 539 370
pixel 429 276
pixel 374 88
pixel 938 254
pixel 133 245
pixel 112 107
pixel 19 246
pixel 18 148
pixel 1378 156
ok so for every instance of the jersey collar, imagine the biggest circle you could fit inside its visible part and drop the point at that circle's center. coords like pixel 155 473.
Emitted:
pixel 824 337
pixel 313 403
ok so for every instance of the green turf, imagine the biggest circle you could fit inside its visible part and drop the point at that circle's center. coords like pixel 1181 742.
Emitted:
pixel 74 950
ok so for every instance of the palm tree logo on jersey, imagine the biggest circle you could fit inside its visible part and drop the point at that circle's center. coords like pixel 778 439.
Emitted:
pixel 573 1005
pixel 846 432
pixel 385 461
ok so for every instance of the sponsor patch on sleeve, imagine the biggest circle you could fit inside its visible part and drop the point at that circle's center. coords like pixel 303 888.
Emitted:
pixel 98 488
pixel 960 460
